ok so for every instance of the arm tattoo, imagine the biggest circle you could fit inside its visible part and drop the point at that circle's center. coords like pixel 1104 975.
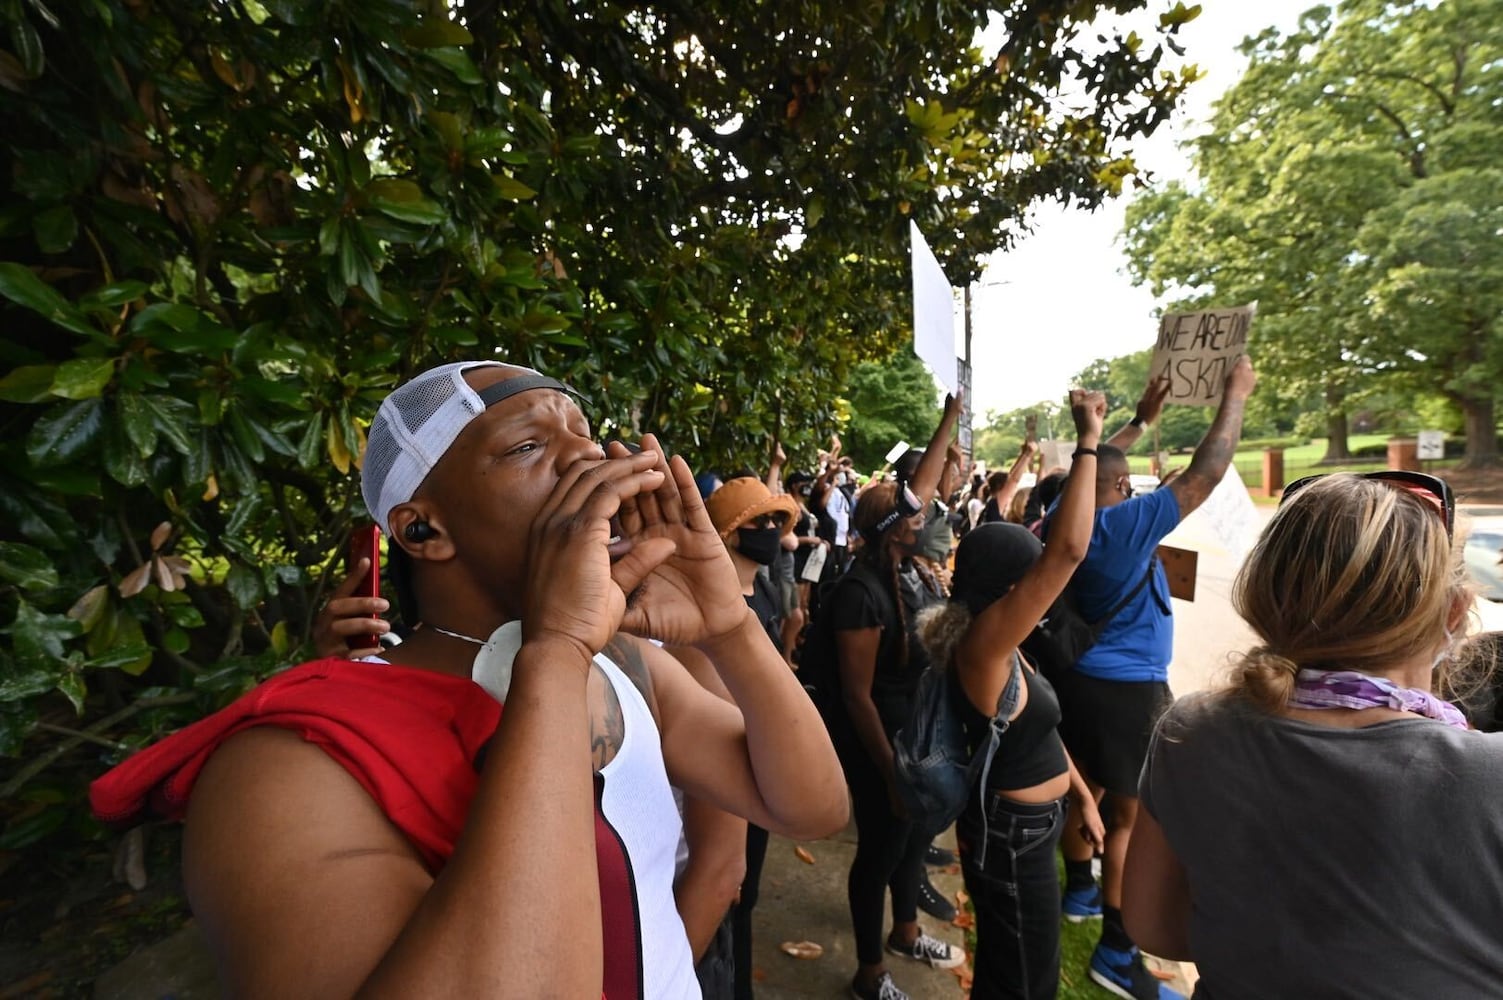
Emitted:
pixel 607 726
pixel 626 653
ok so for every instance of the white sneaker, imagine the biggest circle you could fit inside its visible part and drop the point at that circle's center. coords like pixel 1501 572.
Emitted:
pixel 885 989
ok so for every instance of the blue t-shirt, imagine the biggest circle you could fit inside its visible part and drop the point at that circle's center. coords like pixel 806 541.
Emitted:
pixel 1138 642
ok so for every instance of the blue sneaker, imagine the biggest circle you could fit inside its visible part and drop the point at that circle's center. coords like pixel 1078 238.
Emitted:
pixel 1123 973
pixel 1082 904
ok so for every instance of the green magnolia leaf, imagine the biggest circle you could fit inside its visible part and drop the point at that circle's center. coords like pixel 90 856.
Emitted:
pixel 65 433
pixel 437 32
pixel 422 211
pixel 72 685
pixel 114 296
pixel 512 189
pixel 55 229
pixel 27 683
pixel 82 378
pixel 28 384
pixel 244 585
pixel 175 640
pixel 18 284
pixel 130 657
pixel 39 636
pixel 186 615
pixel 171 417
pixel 136 419
pixel 26 567
pixel 458 62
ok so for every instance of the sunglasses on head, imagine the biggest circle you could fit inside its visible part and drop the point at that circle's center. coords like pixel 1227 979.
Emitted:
pixel 908 505
pixel 1431 489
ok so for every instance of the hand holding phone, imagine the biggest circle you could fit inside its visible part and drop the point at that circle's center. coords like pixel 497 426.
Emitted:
pixel 351 624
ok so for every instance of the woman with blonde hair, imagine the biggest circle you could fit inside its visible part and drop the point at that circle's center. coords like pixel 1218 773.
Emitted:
pixel 1326 825
pixel 1004 582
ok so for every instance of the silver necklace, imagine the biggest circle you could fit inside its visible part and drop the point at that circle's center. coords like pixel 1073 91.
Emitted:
pixel 456 635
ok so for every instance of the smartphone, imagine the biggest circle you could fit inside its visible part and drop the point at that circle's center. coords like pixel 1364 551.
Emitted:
pixel 365 543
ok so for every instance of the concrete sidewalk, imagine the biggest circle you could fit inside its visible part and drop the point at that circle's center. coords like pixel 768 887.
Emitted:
pixel 803 902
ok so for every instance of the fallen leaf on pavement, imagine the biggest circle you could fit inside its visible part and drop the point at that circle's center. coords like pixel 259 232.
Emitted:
pixel 964 918
pixel 962 897
pixel 803 854
pixel 802 949
pixel 759 975
pixel 952 869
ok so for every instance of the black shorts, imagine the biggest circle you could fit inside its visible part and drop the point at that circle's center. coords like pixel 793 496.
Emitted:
pixel 1106 726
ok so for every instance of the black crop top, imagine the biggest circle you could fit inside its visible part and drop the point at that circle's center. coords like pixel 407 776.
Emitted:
pixel 1030 752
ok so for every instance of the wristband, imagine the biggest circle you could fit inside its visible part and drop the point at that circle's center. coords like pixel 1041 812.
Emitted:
pixel 1136 421
pixel 1084 451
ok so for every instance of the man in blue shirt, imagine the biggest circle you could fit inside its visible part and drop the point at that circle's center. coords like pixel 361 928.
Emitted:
pixel 1119 688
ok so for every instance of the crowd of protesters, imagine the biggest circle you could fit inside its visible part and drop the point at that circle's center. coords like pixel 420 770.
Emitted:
pixel 615 680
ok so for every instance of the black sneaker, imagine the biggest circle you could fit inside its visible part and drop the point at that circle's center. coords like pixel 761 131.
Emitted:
pixel 938 857
pixel 1123 973
pixel 933 902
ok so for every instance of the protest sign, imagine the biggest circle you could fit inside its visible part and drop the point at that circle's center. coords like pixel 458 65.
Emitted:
pixel 1432 446
pixel 1057 455
pixel 815 566
pixel 1196 351
pixel 933 313
pixel 1230 512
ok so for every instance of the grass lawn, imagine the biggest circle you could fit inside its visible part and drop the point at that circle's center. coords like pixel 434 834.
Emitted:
pixel 1298 462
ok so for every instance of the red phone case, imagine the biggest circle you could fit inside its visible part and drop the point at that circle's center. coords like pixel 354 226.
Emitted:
pixel 365 542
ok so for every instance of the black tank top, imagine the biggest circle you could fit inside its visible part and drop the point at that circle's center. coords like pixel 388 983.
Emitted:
pixel 1030 752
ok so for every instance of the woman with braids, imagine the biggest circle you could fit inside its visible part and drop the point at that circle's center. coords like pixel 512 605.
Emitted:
pixel 1325 825
pixel 873 610
pixel 1004 582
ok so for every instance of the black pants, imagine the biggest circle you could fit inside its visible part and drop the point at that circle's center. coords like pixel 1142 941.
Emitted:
pixel 889 855
pixel 1016 898
pixel 716 970
pixel 741 913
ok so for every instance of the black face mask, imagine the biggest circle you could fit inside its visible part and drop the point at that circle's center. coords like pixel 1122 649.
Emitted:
pixel 760 545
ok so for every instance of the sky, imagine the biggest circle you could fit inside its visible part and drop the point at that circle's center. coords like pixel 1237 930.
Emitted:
pixel 1061 298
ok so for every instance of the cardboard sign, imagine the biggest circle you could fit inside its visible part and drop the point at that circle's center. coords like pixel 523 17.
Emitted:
pixel 896 452
pixel 1432 446
pixel 1197 350
pixel 933 312
pixel 1180 565
pixel 1057 455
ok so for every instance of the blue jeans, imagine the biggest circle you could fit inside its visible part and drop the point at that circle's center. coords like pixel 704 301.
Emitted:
pixel 1016 897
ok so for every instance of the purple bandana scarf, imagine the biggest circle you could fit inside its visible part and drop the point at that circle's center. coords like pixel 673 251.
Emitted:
pixel 1348 689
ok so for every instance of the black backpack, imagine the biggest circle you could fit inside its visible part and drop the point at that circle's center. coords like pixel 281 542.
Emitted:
pixel 1062 636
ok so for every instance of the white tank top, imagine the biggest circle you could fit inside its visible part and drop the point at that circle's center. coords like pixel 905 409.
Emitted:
pixel 637 805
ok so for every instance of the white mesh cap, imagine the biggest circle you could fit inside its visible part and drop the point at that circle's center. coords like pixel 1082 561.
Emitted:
pixel 413 428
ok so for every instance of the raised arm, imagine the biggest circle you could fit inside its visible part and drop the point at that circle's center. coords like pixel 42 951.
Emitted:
pixel 1015 474
pixel 984 659
pixel 1215 451
pixel 775 469
pixel 926 477
pixel 1150 406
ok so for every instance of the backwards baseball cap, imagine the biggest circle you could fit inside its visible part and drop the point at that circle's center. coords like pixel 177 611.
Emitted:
pixel 419 421
pixel 990 560
pixel 746 499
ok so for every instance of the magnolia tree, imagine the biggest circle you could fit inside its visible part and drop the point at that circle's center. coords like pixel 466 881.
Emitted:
pixel 227 229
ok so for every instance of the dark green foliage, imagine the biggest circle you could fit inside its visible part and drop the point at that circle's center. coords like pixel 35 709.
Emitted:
pixel 227 229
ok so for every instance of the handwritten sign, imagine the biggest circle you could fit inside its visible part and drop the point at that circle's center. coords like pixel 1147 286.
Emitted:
pixel 1432 445
pixel 1197 350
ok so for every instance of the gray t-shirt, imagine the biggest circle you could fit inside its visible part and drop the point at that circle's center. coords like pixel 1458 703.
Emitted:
pixel 1329 862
